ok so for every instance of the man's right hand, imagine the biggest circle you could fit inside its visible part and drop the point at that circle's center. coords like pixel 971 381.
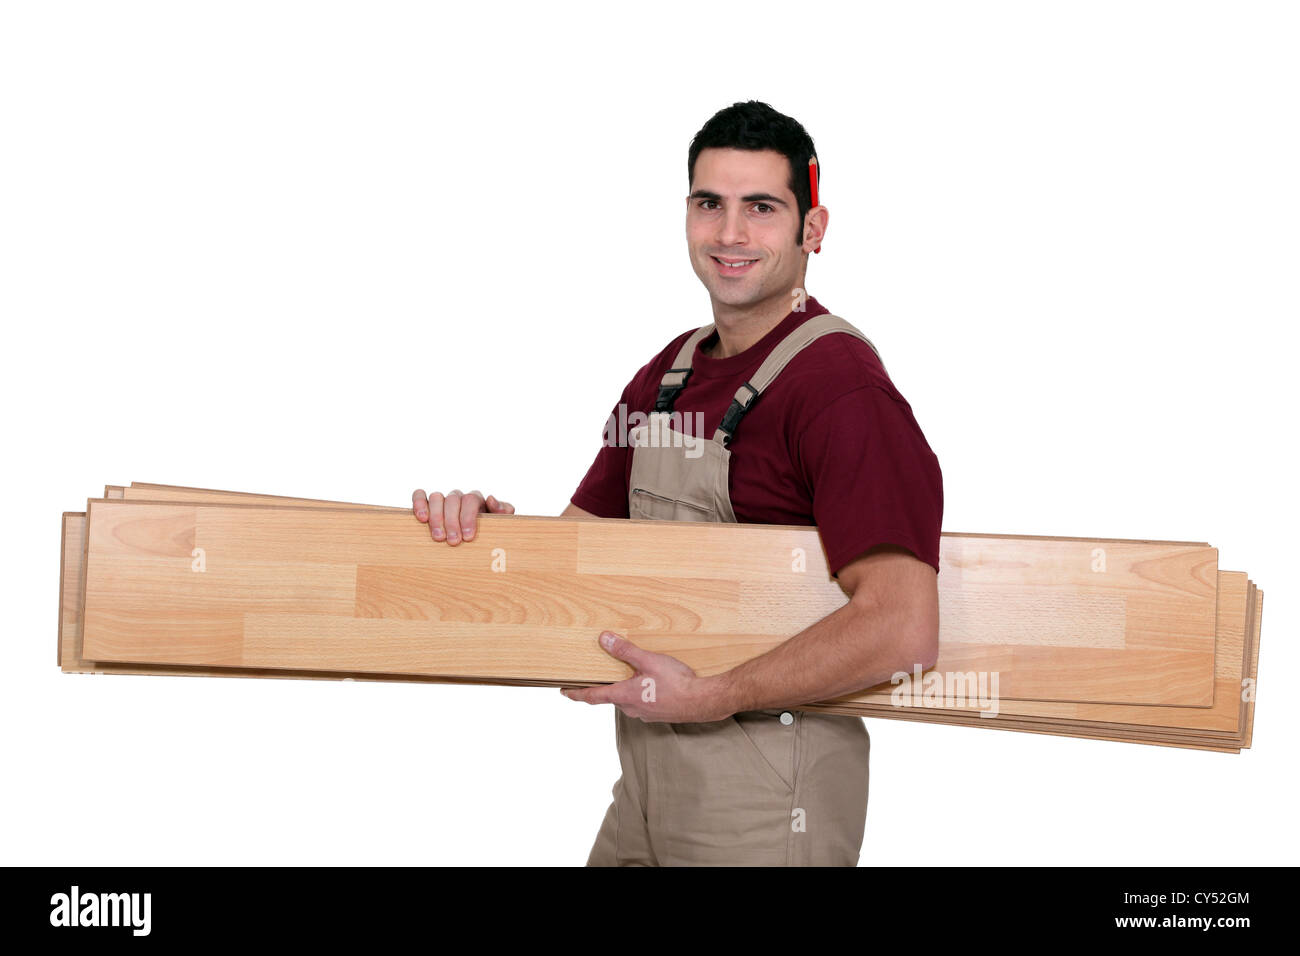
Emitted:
pixel 453 517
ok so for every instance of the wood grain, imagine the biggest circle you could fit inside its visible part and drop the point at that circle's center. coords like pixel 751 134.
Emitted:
pixel 285 568
pixel 1220 720
pixel 1223 717
pixel 1254 671
pixel 72 661
pixel 73 525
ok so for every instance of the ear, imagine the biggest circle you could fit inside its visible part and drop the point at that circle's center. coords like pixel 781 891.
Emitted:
pixel 814 228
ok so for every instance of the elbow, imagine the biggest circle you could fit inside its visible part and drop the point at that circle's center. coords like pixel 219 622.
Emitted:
pixel 921 649
pixel 928 651
pixel 913 627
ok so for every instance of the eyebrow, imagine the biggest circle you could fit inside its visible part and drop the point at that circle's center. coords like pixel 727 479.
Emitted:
pixel 752 197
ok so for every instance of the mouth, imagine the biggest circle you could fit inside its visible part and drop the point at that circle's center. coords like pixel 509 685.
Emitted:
pixel 728 266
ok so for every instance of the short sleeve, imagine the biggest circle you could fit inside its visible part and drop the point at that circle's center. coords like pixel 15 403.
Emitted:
pixel 873 477
pixel 603 490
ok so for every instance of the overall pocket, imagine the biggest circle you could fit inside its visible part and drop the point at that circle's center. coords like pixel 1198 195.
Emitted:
pixel 715 799
pixel 647 504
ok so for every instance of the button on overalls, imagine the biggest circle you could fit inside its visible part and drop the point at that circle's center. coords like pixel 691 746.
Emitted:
pixel 761 788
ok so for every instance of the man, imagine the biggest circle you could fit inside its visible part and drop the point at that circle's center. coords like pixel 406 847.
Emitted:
pixel 724 769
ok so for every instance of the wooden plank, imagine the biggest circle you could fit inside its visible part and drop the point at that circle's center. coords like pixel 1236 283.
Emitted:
pixel 1255 670
pixel 146 492
pixel 1221 719
pixel 1224 717
pixel 1173 737
pixel 219 672
pixel 70 532
pixel 1151 641
pixel 1172 741
pixel 1215 720
pixel 70 637
pixel 1148 732
pixel 184 493
pixel 141 593
pixel 139 539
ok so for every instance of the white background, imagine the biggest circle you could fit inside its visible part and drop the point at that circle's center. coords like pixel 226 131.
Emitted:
pixel 340 250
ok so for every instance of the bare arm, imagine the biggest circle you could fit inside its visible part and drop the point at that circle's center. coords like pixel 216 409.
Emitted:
pixel 890 624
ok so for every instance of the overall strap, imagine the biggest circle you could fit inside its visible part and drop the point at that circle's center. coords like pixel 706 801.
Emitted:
pixel 674 379
pixel 778 359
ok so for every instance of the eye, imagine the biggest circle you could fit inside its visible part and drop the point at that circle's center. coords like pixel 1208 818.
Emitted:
pixel 763 208
pixel 709 204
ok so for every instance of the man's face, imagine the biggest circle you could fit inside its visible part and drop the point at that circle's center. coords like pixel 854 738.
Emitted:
pixel 741 210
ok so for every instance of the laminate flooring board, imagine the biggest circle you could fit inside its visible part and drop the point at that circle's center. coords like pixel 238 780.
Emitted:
pixel 1233 645
pixel 1140 733
pixel 1151 719
pixel 1218 747
pixel 1067 728
pixel 1070 728
pixel 72 661
pixel 140 489
pixel 1229 656
pixel 1064 727
pixel 145 492
pixel 1035 614
pixel 206 494
pixel 292 589
pixel 1254 670
pixel 73 530
pixel 1099 714
pixel 368 591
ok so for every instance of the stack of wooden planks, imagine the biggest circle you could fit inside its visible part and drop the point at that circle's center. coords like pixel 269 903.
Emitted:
pixel 1112 639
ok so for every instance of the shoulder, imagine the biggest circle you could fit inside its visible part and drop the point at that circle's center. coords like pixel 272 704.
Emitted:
pixel 837 390
pixel 834 365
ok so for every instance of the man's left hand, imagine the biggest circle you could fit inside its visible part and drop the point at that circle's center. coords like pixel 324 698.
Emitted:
pixel 661 688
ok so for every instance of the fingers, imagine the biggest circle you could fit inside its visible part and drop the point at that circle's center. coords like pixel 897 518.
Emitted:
pixel 590 695
pixel 451 515
pixel 625 695
pixel 454 517
pixel 437 523
pixel 470 506
pixel 625 650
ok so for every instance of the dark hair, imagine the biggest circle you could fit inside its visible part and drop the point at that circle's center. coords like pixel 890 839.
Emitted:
pixel 756 126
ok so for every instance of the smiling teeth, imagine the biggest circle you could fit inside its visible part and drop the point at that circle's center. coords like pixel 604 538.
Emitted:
pixel 737 265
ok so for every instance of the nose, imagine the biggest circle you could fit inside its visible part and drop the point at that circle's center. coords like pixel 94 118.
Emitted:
pixel 732 228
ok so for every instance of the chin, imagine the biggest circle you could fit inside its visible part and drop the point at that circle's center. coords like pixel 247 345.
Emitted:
pixel 734 295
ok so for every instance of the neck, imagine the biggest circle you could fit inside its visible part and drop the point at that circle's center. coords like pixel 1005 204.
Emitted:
pixel 739 327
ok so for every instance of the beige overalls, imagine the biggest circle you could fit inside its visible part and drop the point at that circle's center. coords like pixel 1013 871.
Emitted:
pixel 764 787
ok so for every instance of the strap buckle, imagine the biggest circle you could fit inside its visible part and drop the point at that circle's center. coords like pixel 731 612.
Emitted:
pixel 668 393
pixel 735 412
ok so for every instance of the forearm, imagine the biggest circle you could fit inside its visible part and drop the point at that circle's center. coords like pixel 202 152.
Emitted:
pixel 858 646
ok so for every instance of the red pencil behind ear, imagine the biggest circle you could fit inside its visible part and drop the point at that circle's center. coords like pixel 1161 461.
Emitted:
pixel 813 176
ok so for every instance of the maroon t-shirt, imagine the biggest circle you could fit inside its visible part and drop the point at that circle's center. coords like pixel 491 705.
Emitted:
pixel 831 443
